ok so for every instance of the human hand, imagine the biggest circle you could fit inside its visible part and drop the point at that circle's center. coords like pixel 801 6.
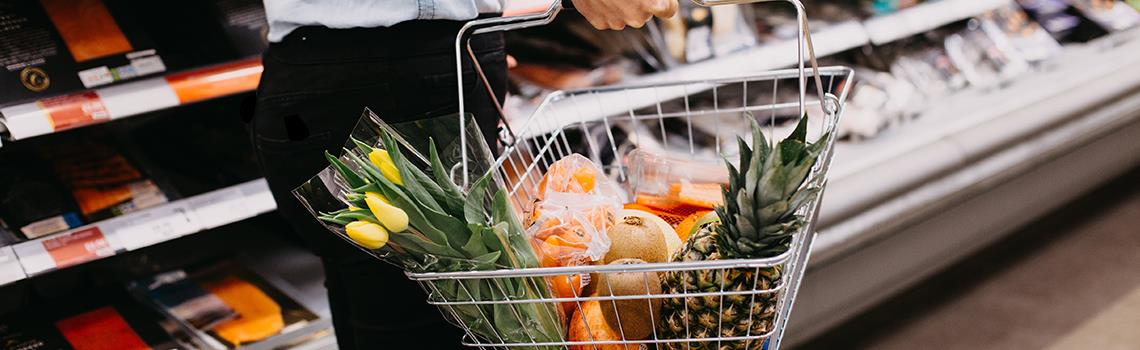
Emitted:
pixel 617 14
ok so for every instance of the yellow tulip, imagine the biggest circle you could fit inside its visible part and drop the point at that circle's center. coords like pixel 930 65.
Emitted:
pixel 393 218
pixel 367 234
pixel 381 159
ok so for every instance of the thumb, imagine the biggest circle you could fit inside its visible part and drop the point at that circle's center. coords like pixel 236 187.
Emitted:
pixel 664 8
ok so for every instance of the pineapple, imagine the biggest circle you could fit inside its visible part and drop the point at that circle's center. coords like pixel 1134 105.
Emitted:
pixel 757 220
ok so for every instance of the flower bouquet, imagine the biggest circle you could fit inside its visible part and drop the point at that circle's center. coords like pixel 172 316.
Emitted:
pixel 392 192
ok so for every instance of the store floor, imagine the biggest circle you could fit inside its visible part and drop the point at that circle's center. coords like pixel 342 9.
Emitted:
pixel 1069 281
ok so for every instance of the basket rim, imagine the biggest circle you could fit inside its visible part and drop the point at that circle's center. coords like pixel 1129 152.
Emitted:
pixel 588 269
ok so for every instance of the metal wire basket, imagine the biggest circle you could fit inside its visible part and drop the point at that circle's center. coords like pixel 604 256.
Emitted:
pixel 696 119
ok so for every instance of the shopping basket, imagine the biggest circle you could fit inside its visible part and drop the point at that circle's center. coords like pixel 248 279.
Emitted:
pixel 602 123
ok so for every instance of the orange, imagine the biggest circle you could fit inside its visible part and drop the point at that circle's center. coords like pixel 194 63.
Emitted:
pixel 566 286
pixel 588 324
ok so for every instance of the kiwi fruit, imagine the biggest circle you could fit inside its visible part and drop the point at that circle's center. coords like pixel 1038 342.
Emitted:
pixel 633 237
pixel 636 316
pixel 672 241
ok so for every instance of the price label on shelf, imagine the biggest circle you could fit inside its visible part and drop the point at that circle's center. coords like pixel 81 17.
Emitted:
pixel 78 246
pixel 10 269
pixel 151 226
pixel 219 207
pixel 64 249
pixel 258 198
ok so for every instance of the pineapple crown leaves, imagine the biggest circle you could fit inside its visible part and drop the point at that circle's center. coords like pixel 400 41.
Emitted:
pixel 763 194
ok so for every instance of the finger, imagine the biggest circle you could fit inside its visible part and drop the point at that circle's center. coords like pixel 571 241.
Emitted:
pixel 664 8
pixel 512 62
pixel 598 23
pixel 617 25
pixel 638 23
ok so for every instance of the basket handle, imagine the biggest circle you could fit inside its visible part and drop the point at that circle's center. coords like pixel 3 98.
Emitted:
pixel 499 24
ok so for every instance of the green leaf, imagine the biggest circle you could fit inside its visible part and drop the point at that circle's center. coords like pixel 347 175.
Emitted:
pixel 360 145
pixel 745 153
pixel 795 176
pixel 455 203
pixel 370 172
pixel 415 244
pixel 350 177
pixel 490 240
pixel 800 133
pixel 475 245
pixel 356 200
pixel 408 172
pixel 759 163
pixel 503 213
pixel 474 210
pixel 335 220
pixel 771 182
pixel 799 199
pixel 353 215
pixel 370 187
pixel 486 261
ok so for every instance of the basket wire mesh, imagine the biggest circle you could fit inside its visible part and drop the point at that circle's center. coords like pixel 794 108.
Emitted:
pixel 694 119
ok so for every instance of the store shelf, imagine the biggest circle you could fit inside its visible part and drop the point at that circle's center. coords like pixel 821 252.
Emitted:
pixel 924 17
pixel 586 108
pixel 88 107
pixel 136 230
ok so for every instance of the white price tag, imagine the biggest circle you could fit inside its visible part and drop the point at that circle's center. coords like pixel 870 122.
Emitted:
pixel 219 207
pixel 10 269
pixel 151 226
pixel 33 257
pixel 258 198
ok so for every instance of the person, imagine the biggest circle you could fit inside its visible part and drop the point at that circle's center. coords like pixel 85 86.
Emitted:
pixel 326 62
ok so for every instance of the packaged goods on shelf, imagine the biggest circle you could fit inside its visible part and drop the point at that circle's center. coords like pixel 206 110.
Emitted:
pixel 1112 15
pixel 778 23
pixel 225 305
pixel 98 319
pixel 877 101
pixel 981 60
pixel 107 328
pixel 28 331
pixel 1021 32
pixel 886 6
pixel 102 180
pixel 700 33
pixel 61 46
pixel 1061 21
pixel 33 203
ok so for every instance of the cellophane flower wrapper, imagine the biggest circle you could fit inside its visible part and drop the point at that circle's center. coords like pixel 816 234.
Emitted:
pixel 451 227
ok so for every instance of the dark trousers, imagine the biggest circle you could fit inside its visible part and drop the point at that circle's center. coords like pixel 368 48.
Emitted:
pixel 315 85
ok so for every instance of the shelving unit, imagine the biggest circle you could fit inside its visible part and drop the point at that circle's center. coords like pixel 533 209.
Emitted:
pixel 135 230
pixel 42 116
pixel 924 17
pixel 586 108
